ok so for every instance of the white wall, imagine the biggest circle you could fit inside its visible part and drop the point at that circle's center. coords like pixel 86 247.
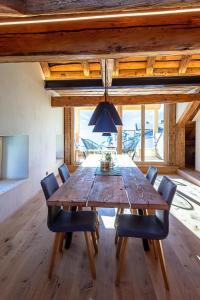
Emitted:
pixel 25 109
pixel 197 150
pixel 180 107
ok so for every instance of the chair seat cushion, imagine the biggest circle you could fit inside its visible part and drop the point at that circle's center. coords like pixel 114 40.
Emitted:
pixel 70 221
pixel 148 227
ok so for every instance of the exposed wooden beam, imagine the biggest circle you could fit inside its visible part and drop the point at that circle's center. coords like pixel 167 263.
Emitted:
pixel 122 100
pixel 128 91
pixel 107 67
pixel 189 113
pixel 123 82
pixel 86 68
pixel 150 65
pixel 113 38
pixel 46 70
pixel 184 64
pixel 67 6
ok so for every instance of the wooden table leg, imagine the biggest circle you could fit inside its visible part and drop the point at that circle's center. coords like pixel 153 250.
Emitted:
pixel 68 235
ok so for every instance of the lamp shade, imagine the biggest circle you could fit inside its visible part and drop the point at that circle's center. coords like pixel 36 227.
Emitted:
pixel 105 123
pixel 106 134
pixel 108 107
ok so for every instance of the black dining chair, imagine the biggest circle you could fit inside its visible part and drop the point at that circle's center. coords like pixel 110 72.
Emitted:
pixel 64 173
pixel 60 222
pixel 152 174
pixel 151 227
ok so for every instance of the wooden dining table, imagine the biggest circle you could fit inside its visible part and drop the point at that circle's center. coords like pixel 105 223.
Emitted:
pixel 125 186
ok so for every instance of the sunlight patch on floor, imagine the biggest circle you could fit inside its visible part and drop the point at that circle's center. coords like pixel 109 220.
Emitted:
pixel 108 222
pixel 186 204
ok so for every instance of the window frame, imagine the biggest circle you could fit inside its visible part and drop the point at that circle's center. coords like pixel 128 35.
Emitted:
pixel 119 135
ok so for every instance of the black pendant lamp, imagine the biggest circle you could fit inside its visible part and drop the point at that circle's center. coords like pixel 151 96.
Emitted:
pixel 105 123
pixel 105 117
pixel 105 105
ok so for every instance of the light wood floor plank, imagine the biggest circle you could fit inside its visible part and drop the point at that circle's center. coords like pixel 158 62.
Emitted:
pixel 25 247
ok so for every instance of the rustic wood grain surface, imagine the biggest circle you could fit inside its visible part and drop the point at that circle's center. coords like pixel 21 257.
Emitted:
pixel 132 189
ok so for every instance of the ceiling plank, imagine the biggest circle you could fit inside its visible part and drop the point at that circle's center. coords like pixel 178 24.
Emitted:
pixel 122 100
pixel 150 65
pixel 107 68
pixel 189 113
pixel 184 64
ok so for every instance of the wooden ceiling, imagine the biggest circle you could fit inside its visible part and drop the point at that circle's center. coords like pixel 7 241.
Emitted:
pixel 125 67
pixel 72 39
pixel 132 67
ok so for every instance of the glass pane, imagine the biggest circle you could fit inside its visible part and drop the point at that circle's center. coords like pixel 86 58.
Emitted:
pixel 154 132
pixel 86 141
pixel 131 132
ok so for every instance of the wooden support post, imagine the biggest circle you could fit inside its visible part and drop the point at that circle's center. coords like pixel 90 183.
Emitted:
pixel 180 146
pixel 172 134
pixel 119 134
pixel 68 135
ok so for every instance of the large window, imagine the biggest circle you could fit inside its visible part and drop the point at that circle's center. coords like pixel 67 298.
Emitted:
pixel 85 140
pixel 141 137
pixel 154 132
pixel 131 131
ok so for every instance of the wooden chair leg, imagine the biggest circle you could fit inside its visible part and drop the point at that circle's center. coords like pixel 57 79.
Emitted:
pixel 62 237
pixel 54 253
pixel 155 249
pixel 94 242
pixel 97 233
pixel 97 229
pixel 116 238
pixel 121 260
pixel 162 263
pixel 119 244
pixel 133 211
pixel 121 211
pixel 90 255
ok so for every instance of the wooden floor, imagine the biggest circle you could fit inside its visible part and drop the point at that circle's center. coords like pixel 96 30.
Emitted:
pixel 24 257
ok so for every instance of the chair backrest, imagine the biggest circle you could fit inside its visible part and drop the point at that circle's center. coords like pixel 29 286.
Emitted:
pixel 152 174
pixel 64 173
pixel 90 145
pixel 167 190
pixel 131 144
pixel 50 186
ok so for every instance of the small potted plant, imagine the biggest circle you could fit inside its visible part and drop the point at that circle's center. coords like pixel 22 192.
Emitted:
pixel 106 162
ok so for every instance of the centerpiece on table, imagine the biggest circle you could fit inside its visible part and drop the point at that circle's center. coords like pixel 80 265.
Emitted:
pixel 106 162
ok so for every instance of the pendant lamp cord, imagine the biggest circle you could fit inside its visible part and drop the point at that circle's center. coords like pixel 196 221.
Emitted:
pixel 106 92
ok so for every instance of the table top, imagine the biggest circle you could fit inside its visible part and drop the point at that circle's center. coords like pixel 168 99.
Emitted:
pixel 130 190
